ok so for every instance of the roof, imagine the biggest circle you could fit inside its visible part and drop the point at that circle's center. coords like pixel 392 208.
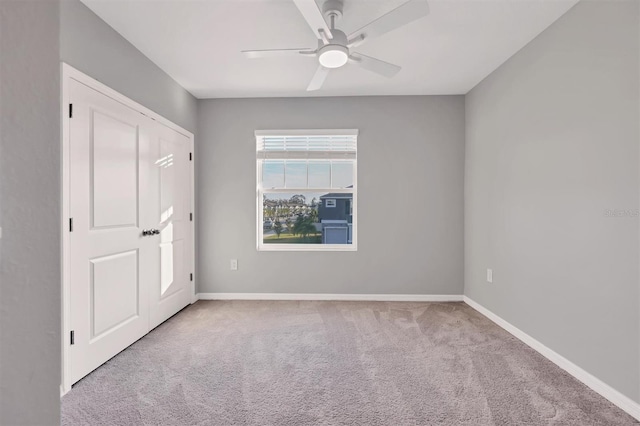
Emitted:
pixel 338 194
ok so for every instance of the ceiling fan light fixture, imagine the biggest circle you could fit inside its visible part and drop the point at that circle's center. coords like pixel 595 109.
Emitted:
pixel 333 56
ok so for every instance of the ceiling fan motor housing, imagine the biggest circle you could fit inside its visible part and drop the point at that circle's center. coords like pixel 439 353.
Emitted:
pixel 336 53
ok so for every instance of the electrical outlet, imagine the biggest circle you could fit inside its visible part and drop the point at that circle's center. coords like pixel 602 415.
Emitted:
pixel 489 275
pixel 234 264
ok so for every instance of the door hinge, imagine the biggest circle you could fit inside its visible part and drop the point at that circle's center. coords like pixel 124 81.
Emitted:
pixel 191 276
pixel 70 110
pixel 190 156
pixel 70 224
pixel 191 217
pixel 73 337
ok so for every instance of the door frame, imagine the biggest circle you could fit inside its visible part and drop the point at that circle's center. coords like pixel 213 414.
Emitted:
pixel 68 74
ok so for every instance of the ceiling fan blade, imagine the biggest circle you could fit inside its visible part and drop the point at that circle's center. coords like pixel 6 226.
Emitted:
pixel 272 53
pixel 314 17
pixel 318 79
pixel 398 17
pixel 374 65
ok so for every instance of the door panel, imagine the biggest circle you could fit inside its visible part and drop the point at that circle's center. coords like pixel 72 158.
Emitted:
pixel 108 258
pixel 173 291
pixel 114 171
pixel 115 290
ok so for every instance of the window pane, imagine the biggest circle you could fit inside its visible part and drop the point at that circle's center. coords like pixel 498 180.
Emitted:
pixel 296 174
pixel 304 218
pixel 319 174
pixel 273 174
pixel 342 174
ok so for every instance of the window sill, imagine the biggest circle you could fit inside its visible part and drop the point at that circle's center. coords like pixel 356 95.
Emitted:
pixel 307 248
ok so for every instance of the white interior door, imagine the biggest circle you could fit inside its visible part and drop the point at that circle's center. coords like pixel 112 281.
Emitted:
pixel 171 289
pixel 128 174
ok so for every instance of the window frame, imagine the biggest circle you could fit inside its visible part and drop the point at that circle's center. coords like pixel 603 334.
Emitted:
pixel 260 245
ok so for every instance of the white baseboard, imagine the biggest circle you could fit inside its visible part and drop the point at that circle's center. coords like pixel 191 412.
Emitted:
pixel 620 400
pixel 325 296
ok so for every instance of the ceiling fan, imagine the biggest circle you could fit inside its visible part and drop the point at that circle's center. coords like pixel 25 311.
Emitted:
pixel 335 47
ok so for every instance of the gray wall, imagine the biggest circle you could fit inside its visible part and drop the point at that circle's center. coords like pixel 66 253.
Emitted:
pixel 410 196
pixel 92 46
pixel 29 213
pixel 552 144
pixel 35 36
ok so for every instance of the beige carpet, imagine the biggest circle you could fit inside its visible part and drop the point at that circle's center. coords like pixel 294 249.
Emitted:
pixel 332 363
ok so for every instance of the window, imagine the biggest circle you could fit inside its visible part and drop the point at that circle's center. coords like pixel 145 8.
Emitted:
pixel 306 190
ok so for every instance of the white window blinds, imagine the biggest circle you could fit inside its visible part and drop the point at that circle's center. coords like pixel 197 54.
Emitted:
pixel 307 144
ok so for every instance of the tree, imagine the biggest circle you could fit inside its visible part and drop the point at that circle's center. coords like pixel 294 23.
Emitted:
pixel 278 228
pixel 304 226
pixel 297 227
pixel 298 199
pixel 313 215
pixel 289 225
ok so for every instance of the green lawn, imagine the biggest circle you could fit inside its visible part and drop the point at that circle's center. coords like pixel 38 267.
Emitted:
pixel 286 238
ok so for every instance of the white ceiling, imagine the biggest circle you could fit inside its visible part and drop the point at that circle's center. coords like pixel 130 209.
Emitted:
pixel 198 43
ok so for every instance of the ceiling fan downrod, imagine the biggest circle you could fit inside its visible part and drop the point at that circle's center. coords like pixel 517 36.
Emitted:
pixel 332 10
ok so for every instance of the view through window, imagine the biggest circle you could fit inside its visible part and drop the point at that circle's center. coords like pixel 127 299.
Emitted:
pixel 306 189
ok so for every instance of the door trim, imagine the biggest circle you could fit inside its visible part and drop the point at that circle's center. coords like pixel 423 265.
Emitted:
pixel 69 73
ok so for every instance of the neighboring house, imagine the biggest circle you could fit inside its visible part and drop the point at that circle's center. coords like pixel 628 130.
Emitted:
pixel 335 213
pixel 335 207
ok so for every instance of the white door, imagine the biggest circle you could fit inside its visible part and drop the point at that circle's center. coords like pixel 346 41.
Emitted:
pixel 117 188
pixel 171 288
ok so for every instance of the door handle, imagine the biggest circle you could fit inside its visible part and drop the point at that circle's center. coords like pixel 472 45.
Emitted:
pixel 149 232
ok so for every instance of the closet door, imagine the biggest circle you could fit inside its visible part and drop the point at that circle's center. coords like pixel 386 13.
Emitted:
pixel 112 263
pixel 130 246
pixel 171 288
